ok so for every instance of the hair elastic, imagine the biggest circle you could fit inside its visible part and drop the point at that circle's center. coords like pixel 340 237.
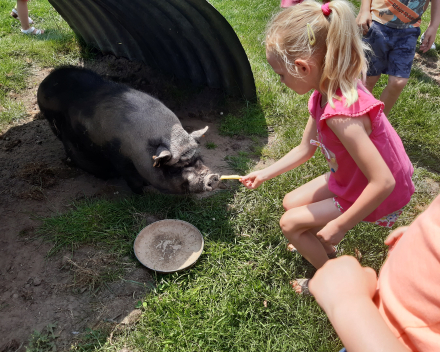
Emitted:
pixel 326 10
pixel 311 34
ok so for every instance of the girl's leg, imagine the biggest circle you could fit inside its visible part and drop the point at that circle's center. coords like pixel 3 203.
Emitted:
pixel 311 192
pixel 23 14
pixel 300 225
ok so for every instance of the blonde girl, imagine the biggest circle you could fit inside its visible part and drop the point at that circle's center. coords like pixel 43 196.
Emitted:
pixel 319 47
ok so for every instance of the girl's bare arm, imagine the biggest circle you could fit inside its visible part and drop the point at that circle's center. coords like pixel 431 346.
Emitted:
pixel 353 135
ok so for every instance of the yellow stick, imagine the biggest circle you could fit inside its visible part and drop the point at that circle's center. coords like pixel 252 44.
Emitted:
pixel 230 177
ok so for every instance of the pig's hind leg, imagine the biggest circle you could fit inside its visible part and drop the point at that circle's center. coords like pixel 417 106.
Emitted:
pixel 89 161
pixel 127 170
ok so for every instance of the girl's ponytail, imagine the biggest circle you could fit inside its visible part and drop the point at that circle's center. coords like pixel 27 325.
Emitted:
pixel 345 60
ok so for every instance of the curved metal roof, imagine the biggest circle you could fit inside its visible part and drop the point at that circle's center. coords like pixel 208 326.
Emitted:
pixel 186 38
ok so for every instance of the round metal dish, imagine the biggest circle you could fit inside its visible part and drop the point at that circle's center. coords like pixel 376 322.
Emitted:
pixel 168 245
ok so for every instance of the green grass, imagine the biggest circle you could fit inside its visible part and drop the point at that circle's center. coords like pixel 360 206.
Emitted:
pixel 20 54
pixel 210 145
pixel 237 297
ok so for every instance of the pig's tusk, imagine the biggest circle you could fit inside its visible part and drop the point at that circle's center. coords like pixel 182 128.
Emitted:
pixel 230 177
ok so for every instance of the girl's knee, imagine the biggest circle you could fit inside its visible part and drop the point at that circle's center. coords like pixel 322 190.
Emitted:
pixel 397 83
pixel 289 224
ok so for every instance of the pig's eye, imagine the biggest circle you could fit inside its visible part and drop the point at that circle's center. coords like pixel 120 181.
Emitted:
pixel 188 155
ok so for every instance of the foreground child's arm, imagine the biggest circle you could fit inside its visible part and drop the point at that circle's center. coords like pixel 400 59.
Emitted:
pixel 345 290
pixel 352 132
pixel 291 160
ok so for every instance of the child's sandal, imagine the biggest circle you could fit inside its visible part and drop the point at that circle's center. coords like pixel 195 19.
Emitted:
pixel 14 14
pixel 291 248
pixel 303 284
pixel 32 30
pixel 332 255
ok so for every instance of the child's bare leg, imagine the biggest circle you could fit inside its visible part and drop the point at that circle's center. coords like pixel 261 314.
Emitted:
pixel 370 82
pixel 23 14
pixel 311 192
pixel 300 225
pixel 392 92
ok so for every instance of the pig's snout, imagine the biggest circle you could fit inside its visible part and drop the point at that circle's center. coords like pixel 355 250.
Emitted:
pixel 211 181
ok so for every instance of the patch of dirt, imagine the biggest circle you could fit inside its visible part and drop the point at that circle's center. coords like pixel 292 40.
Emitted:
pixel 38 181
pixel 429 64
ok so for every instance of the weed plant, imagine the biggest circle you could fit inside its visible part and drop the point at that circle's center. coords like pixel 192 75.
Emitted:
pixel 237 297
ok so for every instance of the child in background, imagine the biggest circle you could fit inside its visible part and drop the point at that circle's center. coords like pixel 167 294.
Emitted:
pixel 288 3
pixel 319 47
pixel 391 27
pixel 22 14
pixel 401 310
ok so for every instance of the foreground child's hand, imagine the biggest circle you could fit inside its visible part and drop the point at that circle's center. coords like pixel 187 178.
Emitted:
pixel 253 180
pixel 331 234
pixel 341 280
pixel 394 236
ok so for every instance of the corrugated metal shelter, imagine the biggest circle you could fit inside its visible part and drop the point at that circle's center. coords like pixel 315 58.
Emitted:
pixel 189 39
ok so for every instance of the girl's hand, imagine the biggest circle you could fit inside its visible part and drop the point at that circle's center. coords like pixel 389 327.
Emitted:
pixel 341 280
pixel 253 180
pixel 394 236
pixel 331 234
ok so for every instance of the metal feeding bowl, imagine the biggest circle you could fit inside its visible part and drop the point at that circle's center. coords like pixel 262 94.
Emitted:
pixel 169 245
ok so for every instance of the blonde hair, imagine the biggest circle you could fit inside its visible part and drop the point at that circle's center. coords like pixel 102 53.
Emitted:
pixel 338 41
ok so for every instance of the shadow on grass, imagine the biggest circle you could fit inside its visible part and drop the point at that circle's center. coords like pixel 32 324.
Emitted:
pixel 417 124
pixel 423 156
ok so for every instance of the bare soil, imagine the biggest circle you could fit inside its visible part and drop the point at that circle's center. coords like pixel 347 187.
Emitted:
pixel 429 64
pixel 63 293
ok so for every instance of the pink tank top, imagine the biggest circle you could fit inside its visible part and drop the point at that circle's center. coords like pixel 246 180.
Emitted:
pixel 346 179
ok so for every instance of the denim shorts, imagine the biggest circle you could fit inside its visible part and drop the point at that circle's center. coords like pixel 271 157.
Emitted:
pixel 393 50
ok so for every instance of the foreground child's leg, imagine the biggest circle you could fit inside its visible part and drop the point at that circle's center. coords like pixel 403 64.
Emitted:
pixel 300 225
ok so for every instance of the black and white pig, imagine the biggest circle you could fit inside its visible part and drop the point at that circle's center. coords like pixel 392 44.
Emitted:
pixel 109 129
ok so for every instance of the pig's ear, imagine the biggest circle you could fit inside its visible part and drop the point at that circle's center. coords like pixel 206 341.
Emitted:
pixel 163 155
pixel 199 134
